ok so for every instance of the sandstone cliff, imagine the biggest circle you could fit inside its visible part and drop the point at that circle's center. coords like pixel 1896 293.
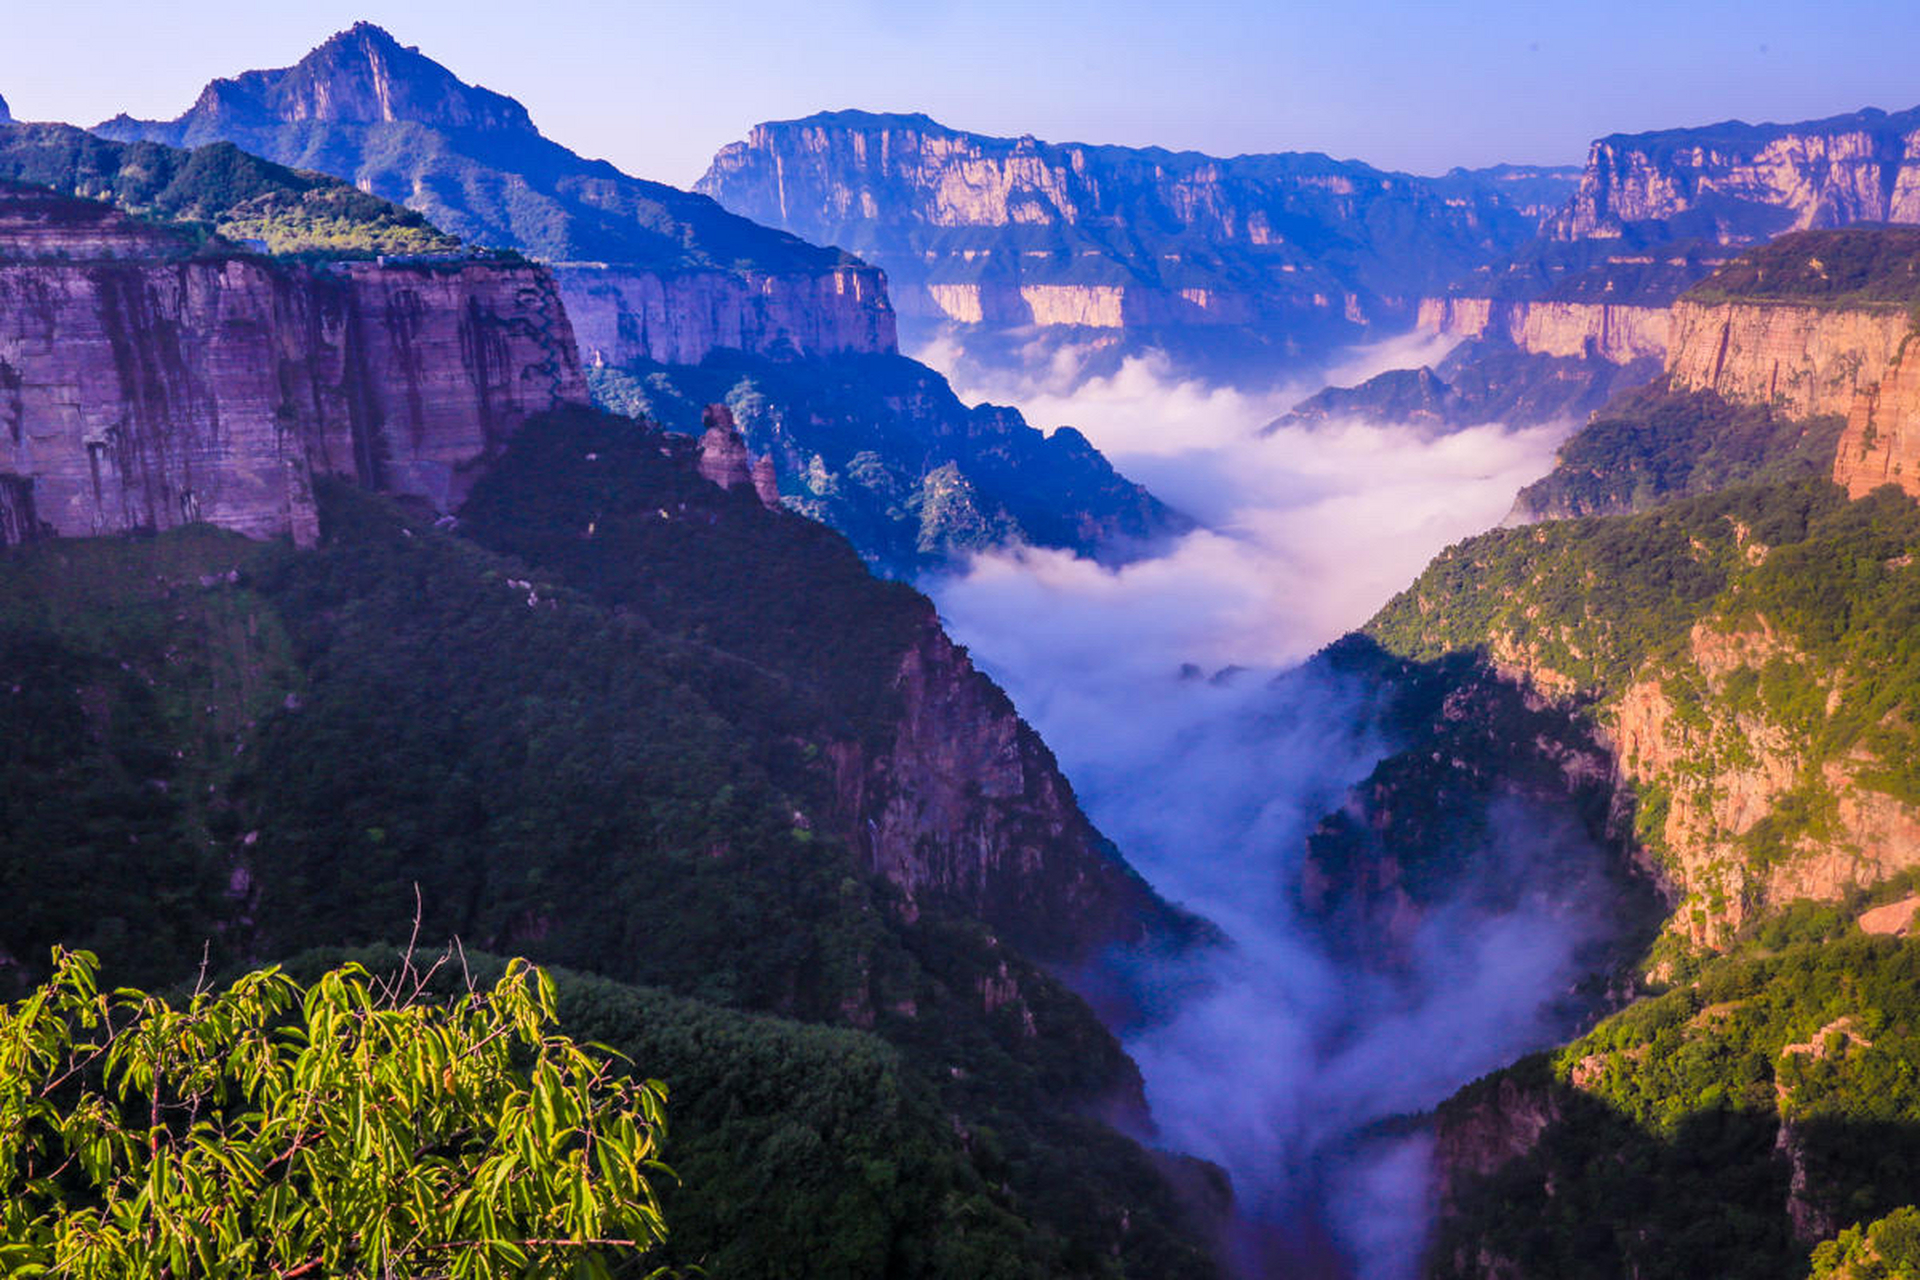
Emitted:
pixel 1009 232
pixel 1616 333
pixel 624 316
pixel 1805 360
pixel 1727 769
pixel 142 389
pixel 1881 443
pixel 1654 213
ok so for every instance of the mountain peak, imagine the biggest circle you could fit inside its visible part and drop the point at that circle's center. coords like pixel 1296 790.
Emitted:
pixel 5 115
pixel 361 76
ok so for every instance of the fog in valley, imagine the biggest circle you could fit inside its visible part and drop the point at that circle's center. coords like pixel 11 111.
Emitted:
pixel 1176 694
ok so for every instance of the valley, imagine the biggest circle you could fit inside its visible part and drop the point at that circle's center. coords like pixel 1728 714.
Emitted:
pixel 1065 709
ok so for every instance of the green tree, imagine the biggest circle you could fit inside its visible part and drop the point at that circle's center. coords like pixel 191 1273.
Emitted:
pixel 357 1127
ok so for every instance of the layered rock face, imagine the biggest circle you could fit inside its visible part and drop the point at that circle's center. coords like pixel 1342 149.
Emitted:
pixel 1881 444
pixel 1013 232
pixel 1654 213
pixel 1739 183
pixel 625 316
pixel 659 274
pixel 142 391
pixel 1618 334
pixel 1804 360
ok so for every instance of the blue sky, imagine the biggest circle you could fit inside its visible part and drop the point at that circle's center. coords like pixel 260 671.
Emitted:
pixel 658 87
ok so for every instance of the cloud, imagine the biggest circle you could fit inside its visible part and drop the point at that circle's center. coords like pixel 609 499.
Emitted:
pixel 1285 1060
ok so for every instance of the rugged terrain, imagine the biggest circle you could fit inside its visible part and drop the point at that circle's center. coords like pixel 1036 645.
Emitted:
pixel 1722 599
pixel 148 382
pixel 635 722
pixel 1264 256
pixel 665 286
pixel 1653 214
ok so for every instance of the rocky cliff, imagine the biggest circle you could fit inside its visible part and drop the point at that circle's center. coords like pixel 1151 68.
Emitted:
pixel 1615 333
pixel 142 388
pixel 625 316
pixel 660 274
pixel 1007 232
pixel 677 303
pixel 1655 213
pixel 879 447
pixel 967 808
pixel 1881 443
pixel 1740 183
pixel 1804 359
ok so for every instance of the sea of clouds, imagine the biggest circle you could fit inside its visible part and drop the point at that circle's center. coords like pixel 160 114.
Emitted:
pixel 1174 692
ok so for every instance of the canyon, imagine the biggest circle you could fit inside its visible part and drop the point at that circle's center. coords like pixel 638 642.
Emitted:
pixel 144 386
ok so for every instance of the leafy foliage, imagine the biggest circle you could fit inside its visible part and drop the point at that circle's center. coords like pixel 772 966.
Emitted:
pixel 347 1129
pixel 1887 1249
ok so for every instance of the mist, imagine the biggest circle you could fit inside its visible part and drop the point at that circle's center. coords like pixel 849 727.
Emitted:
pixel 1177 696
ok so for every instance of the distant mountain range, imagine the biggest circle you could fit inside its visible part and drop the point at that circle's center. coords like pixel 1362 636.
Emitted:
pixel 671 296
pixel 1270 255
pixel 1581 310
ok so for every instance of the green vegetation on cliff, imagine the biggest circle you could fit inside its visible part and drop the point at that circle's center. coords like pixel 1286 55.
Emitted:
pixel 1719 1129
pixel 596 726
pixel 1813 596
pixel 1887 1249
pixel 218 189
pixel 1653 445
pixel 1839 268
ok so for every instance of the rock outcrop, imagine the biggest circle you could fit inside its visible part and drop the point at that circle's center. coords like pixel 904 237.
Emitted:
pixel 1014 232
pixel 1803 359
pixel 968 809
pixel 724 460
pixel 625 316
pixel 1616 333
pixel 1726 770
pixel 142 388
pixel 1881 444
pixel 1740 183
pixel 659 274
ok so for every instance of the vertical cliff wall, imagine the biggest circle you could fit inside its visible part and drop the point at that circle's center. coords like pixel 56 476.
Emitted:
pixel 142 388
pixel 625 315
pixel 1654 213
pixel 1802 359
pixel 1881 443
pixel 1739 183
pixel 1013 232
pixel 1618 334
